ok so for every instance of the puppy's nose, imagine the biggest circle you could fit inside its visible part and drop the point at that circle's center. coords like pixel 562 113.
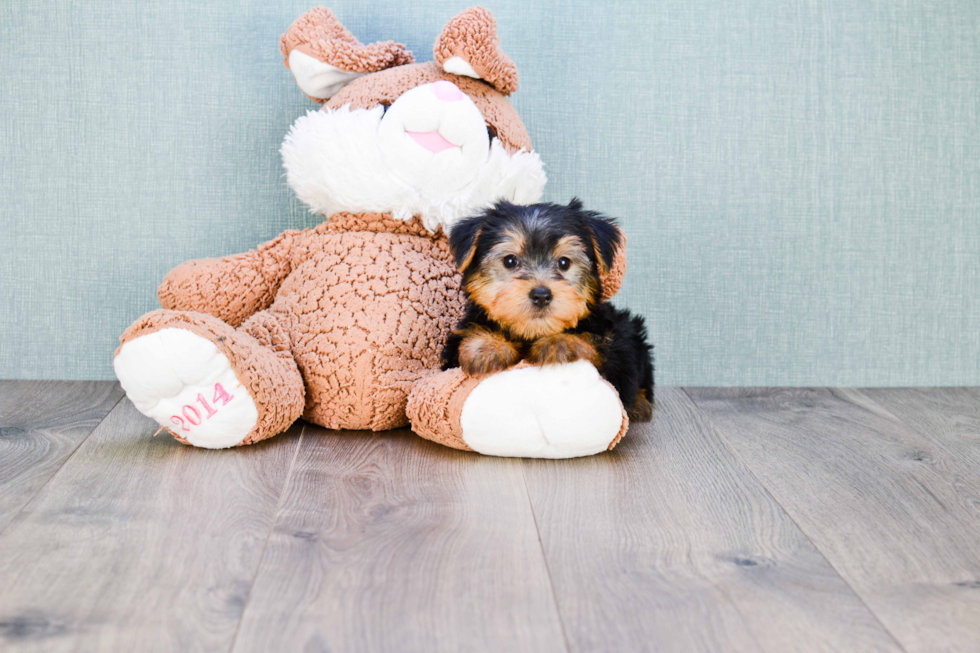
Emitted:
pixel 541 296
pixel 447 91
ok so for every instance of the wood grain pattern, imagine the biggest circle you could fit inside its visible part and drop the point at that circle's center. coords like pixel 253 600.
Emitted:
pixel 386 542
pixel 41 424
pixel 948 417
pixel 668 543
pixel 897 515
pixel 746 519
pixel 140 543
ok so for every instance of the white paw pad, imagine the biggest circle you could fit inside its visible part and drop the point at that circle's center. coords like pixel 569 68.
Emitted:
pixel 183 382
pixel 555 411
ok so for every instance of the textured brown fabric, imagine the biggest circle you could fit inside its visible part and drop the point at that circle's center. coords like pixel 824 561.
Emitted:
pixel 379 222
pixel 386 86
pixel 612 280
pixel 435 406
pixel 233 287
pixel 626 422
pixel 472 36
pixel 319 34
pixel 259 354
pixel 365 304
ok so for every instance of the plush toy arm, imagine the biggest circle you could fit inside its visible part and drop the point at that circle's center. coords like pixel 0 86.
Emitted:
pixel 235 287
pixel 554 411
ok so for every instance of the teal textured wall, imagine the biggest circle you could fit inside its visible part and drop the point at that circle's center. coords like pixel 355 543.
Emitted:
pixel 799 180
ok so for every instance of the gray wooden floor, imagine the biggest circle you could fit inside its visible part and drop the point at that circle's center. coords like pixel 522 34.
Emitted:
pixel 740 519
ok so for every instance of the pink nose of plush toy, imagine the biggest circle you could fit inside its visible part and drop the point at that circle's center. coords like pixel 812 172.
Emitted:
pixel 447 91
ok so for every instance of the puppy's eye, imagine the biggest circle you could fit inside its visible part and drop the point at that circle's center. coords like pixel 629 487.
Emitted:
pixel 510 261
pixel 564 263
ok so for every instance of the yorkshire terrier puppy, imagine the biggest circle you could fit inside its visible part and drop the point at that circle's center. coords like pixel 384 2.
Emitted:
pixel 531 275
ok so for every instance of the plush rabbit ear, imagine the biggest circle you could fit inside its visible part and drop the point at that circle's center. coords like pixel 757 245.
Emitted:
pixel 323 56
pixel 469 45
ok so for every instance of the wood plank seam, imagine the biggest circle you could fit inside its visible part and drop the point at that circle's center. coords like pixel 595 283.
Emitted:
pixel 791 518
pixel 272 528
pixel 936 442
pixel 140 539
pixel 388 542
pixel 37 493
pixel 670 543
pixel 544 558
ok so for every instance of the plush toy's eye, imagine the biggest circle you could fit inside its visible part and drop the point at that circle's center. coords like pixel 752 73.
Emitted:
pixel 510 261
pixel 564 263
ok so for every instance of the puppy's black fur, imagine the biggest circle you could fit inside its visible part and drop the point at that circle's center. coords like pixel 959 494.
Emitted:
pixel 561 249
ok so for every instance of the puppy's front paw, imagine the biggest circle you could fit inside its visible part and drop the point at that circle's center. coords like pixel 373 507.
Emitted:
pixel 484 352
pixel 561 348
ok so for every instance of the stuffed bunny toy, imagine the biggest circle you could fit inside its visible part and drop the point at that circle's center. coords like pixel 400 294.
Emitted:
pixel 343 324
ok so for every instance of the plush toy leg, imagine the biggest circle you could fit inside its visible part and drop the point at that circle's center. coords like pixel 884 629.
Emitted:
pixel 555 411
pixel 211 385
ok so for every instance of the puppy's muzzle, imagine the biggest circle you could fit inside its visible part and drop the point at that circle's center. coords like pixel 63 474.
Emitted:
pixel 541 296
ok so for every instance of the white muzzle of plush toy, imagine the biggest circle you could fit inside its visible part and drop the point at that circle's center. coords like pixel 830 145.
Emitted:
pixel 434 139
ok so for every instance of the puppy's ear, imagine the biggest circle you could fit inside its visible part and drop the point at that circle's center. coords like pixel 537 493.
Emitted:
pixel 463 240
pixel 606 236
pixel 324 56
pixel 469 45
pixel 612 280
pixel 609 245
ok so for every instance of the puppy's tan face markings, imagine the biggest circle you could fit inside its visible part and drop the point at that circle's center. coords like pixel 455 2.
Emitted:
pixel 516 270
pixel 579 272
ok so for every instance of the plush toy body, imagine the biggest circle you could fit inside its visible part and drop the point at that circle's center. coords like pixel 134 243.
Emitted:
pixel 335 324
pixel 343 324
